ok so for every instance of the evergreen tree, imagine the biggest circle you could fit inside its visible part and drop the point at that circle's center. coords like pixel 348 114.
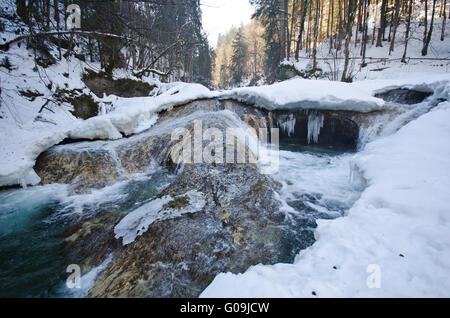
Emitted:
pixel 239 59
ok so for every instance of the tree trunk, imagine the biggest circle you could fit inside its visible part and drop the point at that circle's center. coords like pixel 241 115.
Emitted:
pixel 382 28
pixel 430 31
pixel 316 27
pixel 425 32
pixel 396 22
pixel 291 29
pixel 283 27
pixel 351 8
pixel 374 22
pixel 366 31
pixel 408 27
pixel 444 19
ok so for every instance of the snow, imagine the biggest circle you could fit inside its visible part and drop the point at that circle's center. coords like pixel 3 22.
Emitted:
pixel 397 232
pixel 381 64
pixel 298 93
pixel 137 222
pixel 26 132
pixel 24 138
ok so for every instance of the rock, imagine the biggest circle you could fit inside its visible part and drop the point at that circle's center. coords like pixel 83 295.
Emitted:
pixel 179 246
pixel 340 128
pixel 240 225
pixel 96 164
pixel 404 96
pixel 101 83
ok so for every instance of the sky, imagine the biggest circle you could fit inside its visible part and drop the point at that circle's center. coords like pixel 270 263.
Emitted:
pixel 220 15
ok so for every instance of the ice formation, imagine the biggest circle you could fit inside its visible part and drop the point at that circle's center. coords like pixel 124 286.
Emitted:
pixel 287 124
pixel 315 123
pixel 137 222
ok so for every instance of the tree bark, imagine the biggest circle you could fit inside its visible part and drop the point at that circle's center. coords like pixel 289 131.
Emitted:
pixel 408 27
pixel 382 28
pixel 430 31
pixel 349 26
pixel 302 28
pixel 444 19
pixel 396 22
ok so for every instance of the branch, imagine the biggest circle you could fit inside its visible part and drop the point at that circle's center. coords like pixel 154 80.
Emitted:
pixel 5 46
pixel 149 68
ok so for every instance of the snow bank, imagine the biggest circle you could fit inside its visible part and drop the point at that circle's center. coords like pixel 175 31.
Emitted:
pixel 396 236
pixel 300 93
pixel 22 144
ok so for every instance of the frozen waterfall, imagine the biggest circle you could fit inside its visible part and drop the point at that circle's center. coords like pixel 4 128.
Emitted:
pixel 315 123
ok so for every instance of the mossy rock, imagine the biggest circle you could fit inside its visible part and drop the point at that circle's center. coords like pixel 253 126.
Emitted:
pixel 101 83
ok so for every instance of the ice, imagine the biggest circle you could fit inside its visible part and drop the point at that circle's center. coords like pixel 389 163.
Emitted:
pixel 287 124
pixel 315 123
pixel 137 222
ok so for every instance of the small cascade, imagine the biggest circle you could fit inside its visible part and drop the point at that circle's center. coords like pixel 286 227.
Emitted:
pixel 315 123
pixel 287 124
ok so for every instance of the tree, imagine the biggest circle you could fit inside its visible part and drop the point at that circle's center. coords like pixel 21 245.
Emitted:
pixel 239 58
pixel 351 12
pixel 304 8
pixel 444 19
pixel 396 23
pixel 382 29
pixel 430 31
pixel 267 12
pixel 408 28
pixel 316 35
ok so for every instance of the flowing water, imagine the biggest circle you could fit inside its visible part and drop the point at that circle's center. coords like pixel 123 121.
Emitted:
pixel 32 221
pixel 316 180
pixel 32 225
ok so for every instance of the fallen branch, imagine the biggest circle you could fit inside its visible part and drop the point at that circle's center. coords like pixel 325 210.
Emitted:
pixel 44 106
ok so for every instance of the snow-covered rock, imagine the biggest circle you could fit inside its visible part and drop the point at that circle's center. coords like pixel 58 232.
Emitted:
pixel 299 93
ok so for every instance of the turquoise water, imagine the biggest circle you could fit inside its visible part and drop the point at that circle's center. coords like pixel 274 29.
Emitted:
pixel 32 225
pixel 315 183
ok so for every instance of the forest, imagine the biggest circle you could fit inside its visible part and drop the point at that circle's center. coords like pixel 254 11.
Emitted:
pixel 166 38
pixel 294 29
pixel 149 37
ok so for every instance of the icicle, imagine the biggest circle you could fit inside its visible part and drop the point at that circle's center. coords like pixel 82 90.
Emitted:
pixel 287 124
pixel 315 123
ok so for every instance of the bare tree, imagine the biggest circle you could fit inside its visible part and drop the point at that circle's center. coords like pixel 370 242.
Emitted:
pixel 444 18
pixel 382 28
pixel 408 28
pixel 351 13
pixel 396 22
pixel 430 31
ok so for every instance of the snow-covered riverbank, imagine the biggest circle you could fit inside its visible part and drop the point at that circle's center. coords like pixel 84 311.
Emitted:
pixel 399 230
